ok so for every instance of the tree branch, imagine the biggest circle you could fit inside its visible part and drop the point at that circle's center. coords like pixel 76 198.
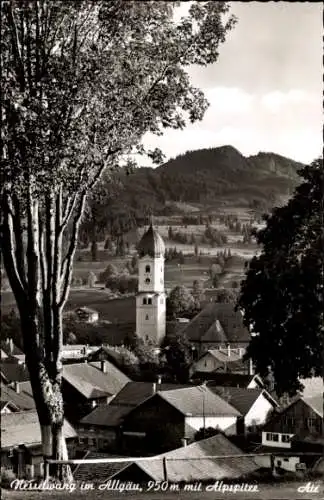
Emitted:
pixel 66 272
pixel 8 251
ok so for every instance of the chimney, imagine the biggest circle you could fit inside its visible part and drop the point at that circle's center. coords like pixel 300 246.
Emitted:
pixel 154 388
pixel 228 350
pixel 103 366
pixel 251 369
pixel 159 380
pixel 184 441
pixel 17 387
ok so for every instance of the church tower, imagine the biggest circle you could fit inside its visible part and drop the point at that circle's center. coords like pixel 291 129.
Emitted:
pixel 151 298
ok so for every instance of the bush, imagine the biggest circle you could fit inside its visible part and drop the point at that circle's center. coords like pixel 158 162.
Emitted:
pixel 7 476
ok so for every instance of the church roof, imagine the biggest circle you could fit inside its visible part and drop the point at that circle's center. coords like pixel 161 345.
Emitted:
pixel 151 244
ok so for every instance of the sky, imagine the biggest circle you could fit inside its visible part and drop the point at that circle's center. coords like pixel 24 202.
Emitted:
pixel 265 91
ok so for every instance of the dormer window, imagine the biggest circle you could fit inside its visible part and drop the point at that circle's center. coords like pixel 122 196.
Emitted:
pixel 147 269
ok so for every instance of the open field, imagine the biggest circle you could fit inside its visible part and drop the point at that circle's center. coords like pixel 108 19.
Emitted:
pixel 279 491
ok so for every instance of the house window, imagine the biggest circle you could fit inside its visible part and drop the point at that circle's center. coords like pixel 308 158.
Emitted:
pixel 272 437
pixel 286 459
pixel 91 442
pixel 147 317
pixel 149 301
pixel 10 452
pixel 147 269
pixel 147 281
pixel 289 421
pixel 285 438
pixel 311 424
pixel 81 440
pixel 144 301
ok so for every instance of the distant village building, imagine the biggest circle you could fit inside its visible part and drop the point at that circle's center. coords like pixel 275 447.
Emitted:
pixel 86 314
pixel 151 297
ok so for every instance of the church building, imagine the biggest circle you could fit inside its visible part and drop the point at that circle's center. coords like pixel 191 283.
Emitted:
pixel 151 297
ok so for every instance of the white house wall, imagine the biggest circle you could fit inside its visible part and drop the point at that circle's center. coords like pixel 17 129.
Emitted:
pixel 222 423
pixel 286 463
pixel 279 443
pixel 258 412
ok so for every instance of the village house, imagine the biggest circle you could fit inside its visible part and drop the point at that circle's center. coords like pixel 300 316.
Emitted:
pixel 17 397
pixel 217 326
pixel 255 405
pixel 21 449
pixel 300 421
pixel 87 314
pixel 86 385
pixel 168 418
pixel 101 429
pixel 220 360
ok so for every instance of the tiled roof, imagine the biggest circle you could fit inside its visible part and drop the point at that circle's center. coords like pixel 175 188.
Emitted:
pixel 106 415
pixel 23 400
pixel 196 401
pixel 181 469
pixel 3 355
pixel 134 393
pixel 13 372
pixel 218 322
pixel 312 386
pixel 222 355
pixel 99 472
pixel 23 428
pixel 91 382
pixel 316 403
pixel 5 346
pixel 241 398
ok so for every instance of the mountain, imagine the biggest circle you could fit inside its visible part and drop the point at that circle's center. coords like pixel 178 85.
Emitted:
pixel 210 177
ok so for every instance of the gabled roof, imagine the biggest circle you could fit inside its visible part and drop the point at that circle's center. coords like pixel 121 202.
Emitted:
pixel 240 397
pixel 134 393
pixel 13 372
pixel 188 464
pixel 91 382
pixel 218 322
pixel 106 415
pixel 3 355
pixel 315 403
pixel 222 355
pixel 22 400
pixel 198 401
pixel 5 346
pixel 312 386
pixel 24 428
pixel 99 471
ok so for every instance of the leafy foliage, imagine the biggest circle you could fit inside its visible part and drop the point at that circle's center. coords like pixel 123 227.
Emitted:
pixel 282 295
pixel 176 356
pixel 180 301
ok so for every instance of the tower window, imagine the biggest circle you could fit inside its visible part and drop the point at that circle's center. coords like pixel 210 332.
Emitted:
pixel 144 301
pixel 149 301
pixel 147 281
pixel 147 269
pixel 146 317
